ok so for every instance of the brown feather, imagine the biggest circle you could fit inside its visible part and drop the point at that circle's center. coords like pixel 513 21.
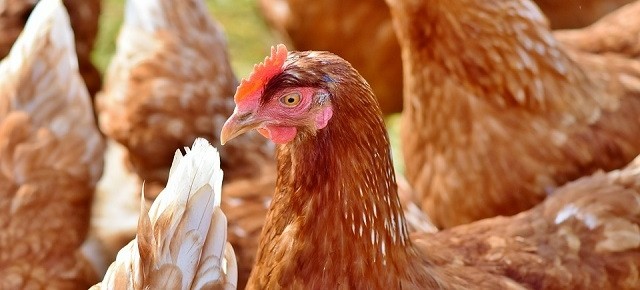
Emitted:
pixel 491 127
pixel 84 16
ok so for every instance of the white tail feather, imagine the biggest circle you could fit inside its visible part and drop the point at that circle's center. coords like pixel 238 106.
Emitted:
pixel 187 228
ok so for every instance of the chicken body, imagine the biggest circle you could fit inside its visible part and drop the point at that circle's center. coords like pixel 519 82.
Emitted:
pixel 182 239
pixel 491 127
pixel 51 157
pixel 84 16
pixel 336 220
pixel 169 82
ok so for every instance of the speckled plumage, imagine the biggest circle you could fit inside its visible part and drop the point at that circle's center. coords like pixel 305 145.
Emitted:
pixel 84 16
pixel 498 114
pixel 336 221
pixel 170 81
pixel 51 157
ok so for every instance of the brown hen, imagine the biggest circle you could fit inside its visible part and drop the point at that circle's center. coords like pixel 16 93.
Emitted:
pixel 335 221
pixel 169 82
pixel 51 157
pixel 491 126
pixel 84 16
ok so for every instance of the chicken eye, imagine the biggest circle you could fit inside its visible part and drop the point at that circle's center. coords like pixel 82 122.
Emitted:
pixel 290 100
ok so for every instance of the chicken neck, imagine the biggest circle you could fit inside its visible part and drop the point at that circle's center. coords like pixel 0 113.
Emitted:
pixel 336 208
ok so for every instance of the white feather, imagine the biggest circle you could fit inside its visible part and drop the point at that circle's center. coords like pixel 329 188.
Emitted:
pixel 195 241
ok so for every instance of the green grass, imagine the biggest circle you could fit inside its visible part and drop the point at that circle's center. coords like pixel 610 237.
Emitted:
pixel 248 37
pixel 393 126
pixel 110 21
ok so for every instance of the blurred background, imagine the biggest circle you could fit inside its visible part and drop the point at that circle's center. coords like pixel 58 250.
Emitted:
pixel 183 90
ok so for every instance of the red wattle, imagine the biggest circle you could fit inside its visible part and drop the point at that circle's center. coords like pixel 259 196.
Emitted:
pixel 279 135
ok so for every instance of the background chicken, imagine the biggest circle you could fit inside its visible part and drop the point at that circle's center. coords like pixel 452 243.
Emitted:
pixel 491 127
pixel 51 156
pixel 84 20
pixel 182 239
pixel 169 82
pixel 343 227
pixel 362 33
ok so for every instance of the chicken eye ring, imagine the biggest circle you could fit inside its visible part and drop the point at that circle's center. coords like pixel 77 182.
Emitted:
pixel 291 99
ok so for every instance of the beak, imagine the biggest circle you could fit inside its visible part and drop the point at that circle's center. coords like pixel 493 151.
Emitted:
pixel 236 125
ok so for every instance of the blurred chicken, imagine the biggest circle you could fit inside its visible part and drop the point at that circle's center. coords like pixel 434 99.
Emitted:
pixel 362 33
pixel 115 210
pixel 492 126
pixel 182 239
pixel 336 223
pixel 169 82
pixel 618 32
pixel 51 156
pixel 84 16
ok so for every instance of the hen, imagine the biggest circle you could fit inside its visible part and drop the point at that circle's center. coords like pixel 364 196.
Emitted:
pixel 362 32
pixel 51 156
pixel 491 126
pixel 335 220
pixel 84 16
pixel 169 82
pixel 182 239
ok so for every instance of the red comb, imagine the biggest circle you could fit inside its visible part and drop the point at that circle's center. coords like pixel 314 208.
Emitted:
pixel 262 72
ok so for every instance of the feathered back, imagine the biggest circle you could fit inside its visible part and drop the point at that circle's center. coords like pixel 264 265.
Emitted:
pixel 181 242
pixel 170 81
pixel 51 157
pixel 40 77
